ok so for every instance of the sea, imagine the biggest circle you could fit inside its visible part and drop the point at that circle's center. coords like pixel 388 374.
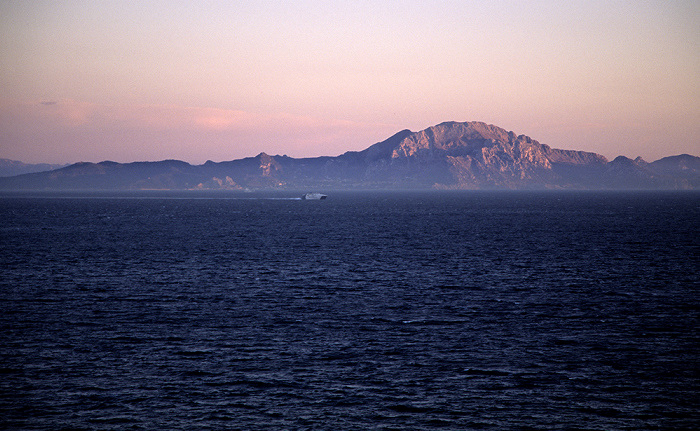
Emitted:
pixel 470 310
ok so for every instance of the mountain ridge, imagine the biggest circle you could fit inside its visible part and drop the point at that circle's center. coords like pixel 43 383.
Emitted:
pixel 450 155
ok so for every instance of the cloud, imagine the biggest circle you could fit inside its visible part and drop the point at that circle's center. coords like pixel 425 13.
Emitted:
pixel 174 117
pixel 77 130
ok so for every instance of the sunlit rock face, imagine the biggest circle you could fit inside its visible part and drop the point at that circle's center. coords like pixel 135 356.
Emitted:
pixel 476 154
pixel 268 165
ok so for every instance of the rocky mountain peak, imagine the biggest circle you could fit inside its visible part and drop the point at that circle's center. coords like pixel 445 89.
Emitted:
pixel 465 144
pixel 452 138
pixel 268 165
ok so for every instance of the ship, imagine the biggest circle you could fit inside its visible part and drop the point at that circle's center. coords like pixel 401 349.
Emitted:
pixel 314 196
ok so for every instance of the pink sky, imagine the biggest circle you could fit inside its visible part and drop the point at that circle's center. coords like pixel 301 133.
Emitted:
pixel 220 80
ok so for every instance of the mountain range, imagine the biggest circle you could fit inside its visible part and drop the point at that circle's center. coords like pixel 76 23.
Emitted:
pixel 451 155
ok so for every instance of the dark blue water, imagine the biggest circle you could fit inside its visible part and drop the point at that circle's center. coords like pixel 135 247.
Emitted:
pixel 381 311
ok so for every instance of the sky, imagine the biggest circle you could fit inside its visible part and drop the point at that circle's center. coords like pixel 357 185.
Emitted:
pixel 221 80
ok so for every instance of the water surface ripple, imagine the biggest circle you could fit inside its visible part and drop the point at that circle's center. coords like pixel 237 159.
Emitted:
pixel 454 311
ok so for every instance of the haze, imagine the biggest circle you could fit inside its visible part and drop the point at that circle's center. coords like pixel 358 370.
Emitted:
pixel 220 80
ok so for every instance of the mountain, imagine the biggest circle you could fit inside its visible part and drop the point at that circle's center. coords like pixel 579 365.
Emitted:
pixel 9 168
pixel 450 155
pixel 684 167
